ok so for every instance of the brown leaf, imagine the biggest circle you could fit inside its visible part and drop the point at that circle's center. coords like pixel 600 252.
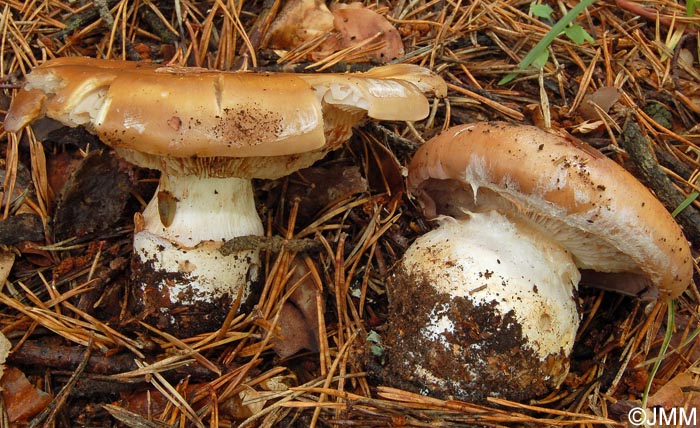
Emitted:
pixel 299 22
pixel 298 320
pixel 355 24
pixel 320 186
pixel 681 391
pixel 604 98
pixel 22 399
pixel 94 196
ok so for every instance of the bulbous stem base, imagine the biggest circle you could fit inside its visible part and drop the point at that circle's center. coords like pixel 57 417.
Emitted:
pixel 481 307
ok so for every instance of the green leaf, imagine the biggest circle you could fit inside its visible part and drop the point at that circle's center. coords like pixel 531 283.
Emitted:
pixel 507 79
pixel 376 350
pixel 553 33
pixel 541 59
pixel 539 54
pixel 374 337
pixel 683 205
pixel 670 321
pixel 541 10
pixel 578 35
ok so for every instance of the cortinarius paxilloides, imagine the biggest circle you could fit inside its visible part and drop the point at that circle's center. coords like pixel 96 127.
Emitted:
pixel 485 304
pixel 209 133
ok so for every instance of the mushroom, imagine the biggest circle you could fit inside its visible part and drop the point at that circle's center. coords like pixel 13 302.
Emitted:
pixel 209 133
pixel 486 303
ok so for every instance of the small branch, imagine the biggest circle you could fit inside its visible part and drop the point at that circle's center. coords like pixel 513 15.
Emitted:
pixel 638 147
pixel 273 243
pixel 393 138
pixel 81 20
pixel 150 18
pixel 47 417
pixel 40 354
pixel 649 14
pixel 103 10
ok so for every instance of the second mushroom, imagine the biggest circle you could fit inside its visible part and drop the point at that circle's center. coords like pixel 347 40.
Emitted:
pixel 486 303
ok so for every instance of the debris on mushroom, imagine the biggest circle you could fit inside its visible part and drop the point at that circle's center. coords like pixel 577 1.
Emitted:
pixel 209 133
pixel 485 304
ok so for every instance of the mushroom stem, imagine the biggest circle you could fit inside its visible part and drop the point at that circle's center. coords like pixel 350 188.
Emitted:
pixel 178 268
pixel 201 209
pixel 483 305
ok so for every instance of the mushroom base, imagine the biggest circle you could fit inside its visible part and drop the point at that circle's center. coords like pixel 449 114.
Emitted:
pixel 485 354
pixel 482 306
pixel 192 296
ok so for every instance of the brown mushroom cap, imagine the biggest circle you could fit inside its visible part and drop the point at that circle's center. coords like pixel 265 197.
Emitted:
pixel 149 112
pixel 181 112
pixel 593 207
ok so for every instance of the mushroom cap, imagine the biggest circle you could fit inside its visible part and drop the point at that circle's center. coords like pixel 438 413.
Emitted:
pixel 180 112
pixel 586 202
pixel 184 112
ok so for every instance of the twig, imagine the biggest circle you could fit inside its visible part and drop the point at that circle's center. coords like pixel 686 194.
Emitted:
pixel 48 416
pixel 132 419
pixel 638 147
pixel 103 10
pixel 40 353
pixel 649 14
pixel 81 20
pixel 272 243
pixel 161 30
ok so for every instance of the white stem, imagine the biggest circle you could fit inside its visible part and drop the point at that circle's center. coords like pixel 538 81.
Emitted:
pixel 181 257
pixel 205 209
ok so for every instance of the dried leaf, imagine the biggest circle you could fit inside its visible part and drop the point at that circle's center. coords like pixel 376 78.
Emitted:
pixel 21 227
pixel 355 24
pixel 299 22
pixel 320 186
pixel 94 196
pixel 5 347
pixel 298 320
pixel 681 391
pixel 604 98
pixel 22 399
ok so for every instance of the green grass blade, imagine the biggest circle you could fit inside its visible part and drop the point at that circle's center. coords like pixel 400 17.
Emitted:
pixel 670 325
pixel 683 205
pixel 552 34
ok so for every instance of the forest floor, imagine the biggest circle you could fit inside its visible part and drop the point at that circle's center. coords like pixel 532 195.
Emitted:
pixel 80 355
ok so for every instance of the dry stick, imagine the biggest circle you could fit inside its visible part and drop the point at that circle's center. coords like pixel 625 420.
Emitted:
pixel 160 29
pixel 271 243
pixel 81 20
pixel 650 14
pixel 132 419
pixel 36 353
pixel 106 15
pixel 258 31
pixel 638 147
pixel 47 417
